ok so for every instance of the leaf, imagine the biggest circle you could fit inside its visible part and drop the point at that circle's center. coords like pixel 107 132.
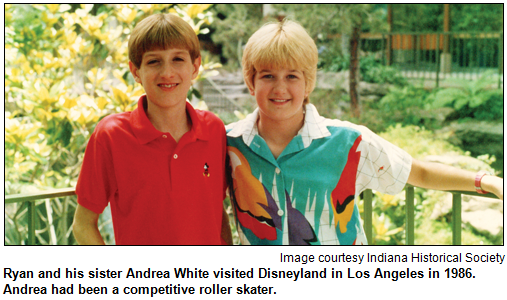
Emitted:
pixel 101 102
pixel 64 8
pixel 57 89
pixel 447 96
pixel 460 103
pixel 120 98
pixel 43 94
pixel 193 10
pixel 69 103
pixel 65 133
pixel 87 7
pixel 478 100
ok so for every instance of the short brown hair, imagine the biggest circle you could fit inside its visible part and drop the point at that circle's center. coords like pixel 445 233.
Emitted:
pixel 281 45
pixel 162 31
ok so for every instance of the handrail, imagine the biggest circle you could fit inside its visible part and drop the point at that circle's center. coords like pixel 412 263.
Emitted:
pixel 367 215
pixel 56 193
pixel 410 219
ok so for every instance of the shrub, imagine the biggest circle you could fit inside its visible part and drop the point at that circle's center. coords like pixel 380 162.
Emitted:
pixel 389 211
pixel 374 71
pixel 66 67
pixel 478 99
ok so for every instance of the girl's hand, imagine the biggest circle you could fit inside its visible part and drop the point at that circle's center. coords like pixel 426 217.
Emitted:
pixel 493 184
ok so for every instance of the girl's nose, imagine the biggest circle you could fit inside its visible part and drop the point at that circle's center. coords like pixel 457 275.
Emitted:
pixel 280 87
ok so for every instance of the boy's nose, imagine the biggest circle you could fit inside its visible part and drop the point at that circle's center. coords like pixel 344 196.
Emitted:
pixel 167 71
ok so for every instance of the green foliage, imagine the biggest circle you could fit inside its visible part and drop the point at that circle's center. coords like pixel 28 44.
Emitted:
pixel 477 17
pixel 374 71
pixel 406 105
pixel 66 67
pixel 479 99
pixel 234 25
pixel 325 20
pixel 417 17
pixel 463 17
pixel 389 211
pixel 330 61
pixel 370 69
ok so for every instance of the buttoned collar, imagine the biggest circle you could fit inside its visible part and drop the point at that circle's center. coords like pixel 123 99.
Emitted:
pixel 314 127
pixel 145 132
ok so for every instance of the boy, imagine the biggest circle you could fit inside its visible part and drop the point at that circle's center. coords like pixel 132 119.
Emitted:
pixel 161 166
pixel 295 174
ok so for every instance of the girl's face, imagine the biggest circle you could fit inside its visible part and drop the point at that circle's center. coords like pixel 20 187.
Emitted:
pixel 279 93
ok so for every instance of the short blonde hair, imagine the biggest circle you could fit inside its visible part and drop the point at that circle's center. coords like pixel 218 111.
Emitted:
pixel 281 45
pixel 162 31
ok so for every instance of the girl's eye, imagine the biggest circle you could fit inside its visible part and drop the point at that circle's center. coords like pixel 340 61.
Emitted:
pixel 267 76
pixel 292 76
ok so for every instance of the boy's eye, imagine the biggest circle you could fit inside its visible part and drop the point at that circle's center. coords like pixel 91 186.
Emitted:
pixel 153 61
pixel 178 59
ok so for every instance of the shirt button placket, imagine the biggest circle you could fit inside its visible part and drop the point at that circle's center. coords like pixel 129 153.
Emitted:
pixel 279 181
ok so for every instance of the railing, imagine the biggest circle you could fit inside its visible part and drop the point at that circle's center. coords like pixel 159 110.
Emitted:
pixel 439 55
pixel 30 199
pixel 367 215
pixel 409 210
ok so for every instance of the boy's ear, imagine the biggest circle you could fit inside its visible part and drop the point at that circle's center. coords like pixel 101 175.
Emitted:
pixel 197 64
pixel 133 70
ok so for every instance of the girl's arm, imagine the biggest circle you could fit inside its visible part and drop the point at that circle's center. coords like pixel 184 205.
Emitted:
pixel 226 233
pixel 442 177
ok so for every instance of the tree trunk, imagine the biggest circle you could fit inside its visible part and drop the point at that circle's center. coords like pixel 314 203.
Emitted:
pixel 354 69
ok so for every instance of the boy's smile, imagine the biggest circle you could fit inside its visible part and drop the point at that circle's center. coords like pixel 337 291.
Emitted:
pixel 166 76
pixel 279 93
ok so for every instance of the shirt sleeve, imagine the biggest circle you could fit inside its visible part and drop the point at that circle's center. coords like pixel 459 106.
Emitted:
pixel 383 166
pixel 97 181
pixel 225 162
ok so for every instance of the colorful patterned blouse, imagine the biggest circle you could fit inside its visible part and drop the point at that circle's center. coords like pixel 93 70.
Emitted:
pixel 308 195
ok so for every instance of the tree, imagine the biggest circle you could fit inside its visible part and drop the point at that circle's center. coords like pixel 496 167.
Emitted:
pixel 234 25
pixel 477 17
pixel 464 17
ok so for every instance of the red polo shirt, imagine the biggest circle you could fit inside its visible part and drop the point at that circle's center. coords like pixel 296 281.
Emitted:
pixel 160 191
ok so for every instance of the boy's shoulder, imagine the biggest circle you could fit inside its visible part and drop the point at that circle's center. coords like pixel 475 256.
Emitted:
pixel 114 122
pixel 208 117
pixel 110 126
pixel 206 124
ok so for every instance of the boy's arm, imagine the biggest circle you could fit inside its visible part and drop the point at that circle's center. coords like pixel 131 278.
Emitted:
pixel 85 227
pixel 442 177
pixel 226 228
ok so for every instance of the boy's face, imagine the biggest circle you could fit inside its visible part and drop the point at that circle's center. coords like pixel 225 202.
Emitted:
pixel 279 93
pixel 166 76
